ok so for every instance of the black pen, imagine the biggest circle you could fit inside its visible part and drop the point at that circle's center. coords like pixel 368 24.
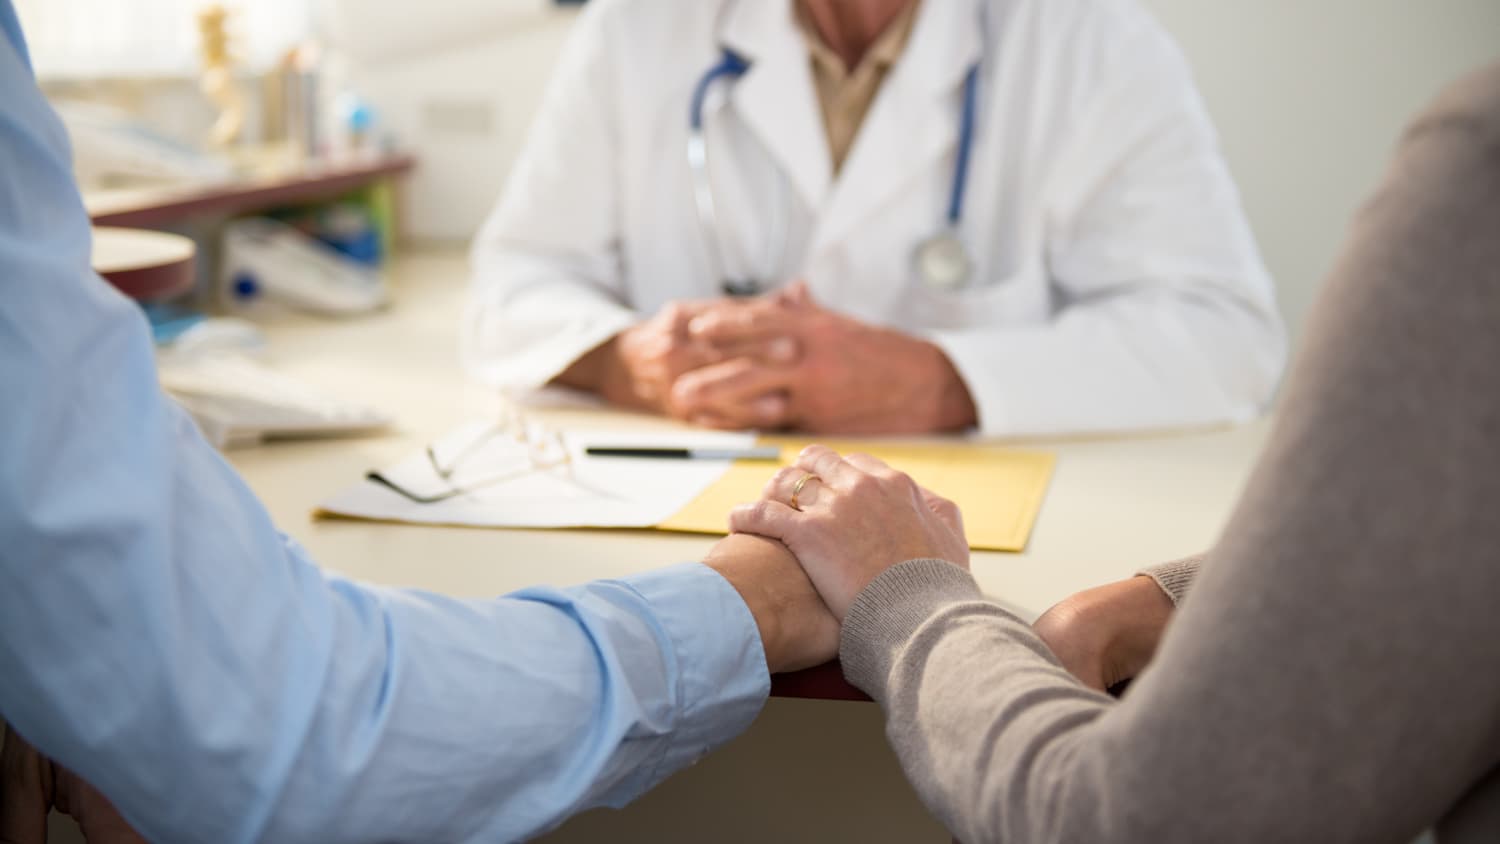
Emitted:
pixel 753 453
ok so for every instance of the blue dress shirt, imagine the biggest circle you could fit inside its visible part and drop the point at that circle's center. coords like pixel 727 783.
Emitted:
pixel 160 637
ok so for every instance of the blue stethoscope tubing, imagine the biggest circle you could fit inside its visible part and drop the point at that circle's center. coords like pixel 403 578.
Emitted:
pixel 965 147
pixel 941 261
pixel 731 66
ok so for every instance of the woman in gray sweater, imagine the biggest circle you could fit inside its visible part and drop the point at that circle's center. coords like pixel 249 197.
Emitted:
pixel 1335 674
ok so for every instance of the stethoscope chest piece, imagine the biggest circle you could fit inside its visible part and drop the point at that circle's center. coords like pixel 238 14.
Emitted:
pixel 943 262
pixel 742 288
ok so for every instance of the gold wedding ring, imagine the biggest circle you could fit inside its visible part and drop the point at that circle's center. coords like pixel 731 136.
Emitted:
pixel 797 488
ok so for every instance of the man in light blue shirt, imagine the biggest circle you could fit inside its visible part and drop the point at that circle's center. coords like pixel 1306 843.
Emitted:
pixel 159 637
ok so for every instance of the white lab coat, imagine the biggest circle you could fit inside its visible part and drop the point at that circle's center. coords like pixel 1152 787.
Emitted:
pixel 1117 282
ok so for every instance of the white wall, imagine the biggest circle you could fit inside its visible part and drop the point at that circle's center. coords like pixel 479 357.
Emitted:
pixel 86 39
pixel 459 84
pixel 1309 95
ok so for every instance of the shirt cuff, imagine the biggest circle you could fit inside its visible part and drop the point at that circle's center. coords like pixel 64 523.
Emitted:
pixel 721 665
pixel 1174 578
pixel 886 614
pixel 518 355
pixel 971 361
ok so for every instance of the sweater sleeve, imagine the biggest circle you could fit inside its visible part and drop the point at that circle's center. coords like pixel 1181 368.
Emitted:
pixel 1331 678
pixel 1175 577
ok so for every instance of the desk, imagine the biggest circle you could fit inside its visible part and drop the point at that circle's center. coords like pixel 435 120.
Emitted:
pixel 1114 505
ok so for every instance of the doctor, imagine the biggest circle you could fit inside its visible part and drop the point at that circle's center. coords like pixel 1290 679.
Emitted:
pixel 878 216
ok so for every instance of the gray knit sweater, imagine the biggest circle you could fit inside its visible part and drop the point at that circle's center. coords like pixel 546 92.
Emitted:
pixel 1335 673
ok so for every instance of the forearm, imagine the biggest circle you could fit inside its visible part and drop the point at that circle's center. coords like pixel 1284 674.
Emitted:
pixel 162 640
pixel 286 708
pixel 974 702
pixel 523 711
pixel 1355 578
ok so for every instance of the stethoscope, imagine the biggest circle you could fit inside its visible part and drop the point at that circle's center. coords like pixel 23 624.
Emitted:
pixel 942 260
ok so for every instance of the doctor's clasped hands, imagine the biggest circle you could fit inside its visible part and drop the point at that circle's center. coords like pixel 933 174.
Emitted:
pixel 844 376
pixel 778 361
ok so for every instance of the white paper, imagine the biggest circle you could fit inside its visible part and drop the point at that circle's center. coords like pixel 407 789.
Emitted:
pixel 514 481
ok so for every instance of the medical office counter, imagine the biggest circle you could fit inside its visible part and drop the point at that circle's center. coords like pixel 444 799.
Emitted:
pixel 808 770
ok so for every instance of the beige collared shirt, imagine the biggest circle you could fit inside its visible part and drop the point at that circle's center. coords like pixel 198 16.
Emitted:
pixel 845 95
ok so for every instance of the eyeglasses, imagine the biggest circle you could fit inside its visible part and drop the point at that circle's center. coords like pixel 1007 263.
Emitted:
pixel 520 446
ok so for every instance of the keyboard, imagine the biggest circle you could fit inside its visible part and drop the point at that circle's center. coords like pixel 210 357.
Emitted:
pixel 238 401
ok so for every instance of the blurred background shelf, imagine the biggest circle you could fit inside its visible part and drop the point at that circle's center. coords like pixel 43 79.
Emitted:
pixel 152 207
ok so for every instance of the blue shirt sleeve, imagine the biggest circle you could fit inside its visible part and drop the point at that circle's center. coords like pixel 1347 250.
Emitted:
pixel 161 638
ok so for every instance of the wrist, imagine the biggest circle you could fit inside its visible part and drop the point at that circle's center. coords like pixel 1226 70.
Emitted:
pixel 763 608
pixel 602 370
pixel 740 559
pixel 951 404
pixel 588 371
pixel 1136 618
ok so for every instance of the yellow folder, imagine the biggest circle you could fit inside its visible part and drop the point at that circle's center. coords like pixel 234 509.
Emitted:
pixel 1000 490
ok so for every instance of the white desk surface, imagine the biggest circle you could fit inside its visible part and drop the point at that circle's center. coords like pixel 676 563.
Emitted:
pixel 1114 504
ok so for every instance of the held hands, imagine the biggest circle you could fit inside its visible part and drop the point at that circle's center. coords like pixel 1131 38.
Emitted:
pixel 848 519
pixel 782 361
pixel 639 367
